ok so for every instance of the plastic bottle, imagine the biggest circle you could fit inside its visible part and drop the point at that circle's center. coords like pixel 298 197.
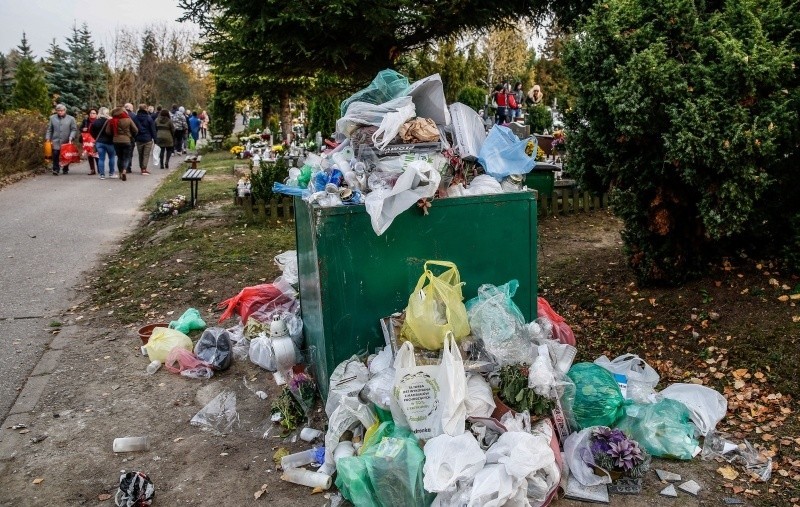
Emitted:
pixel 307 478
pixel 303 458
pixel 131 444
pixel 153 367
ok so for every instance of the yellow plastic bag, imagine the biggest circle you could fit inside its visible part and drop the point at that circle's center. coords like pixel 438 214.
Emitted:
pixel 435 308
pixel 163 340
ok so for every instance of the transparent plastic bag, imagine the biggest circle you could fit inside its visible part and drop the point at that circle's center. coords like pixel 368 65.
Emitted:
pixel 219 416
pixel 378 389
pixel 215 347
pixel 663 429
pixel 495 319
pixel 636 378
pixel 360 114
pixel 179 360
pixel 754 463
pixel 347 379
pixel 598 400
pixel 503 153
pixel 188 322
pixel 451 459
pixel 287 263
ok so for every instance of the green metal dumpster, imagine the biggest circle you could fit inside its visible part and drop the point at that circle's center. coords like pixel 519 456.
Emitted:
pixel 542 178
pixel 350 277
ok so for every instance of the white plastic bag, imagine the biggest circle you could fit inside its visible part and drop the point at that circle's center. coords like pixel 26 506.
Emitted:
pixel 521 453
pixel 420 181
pixel 347 379
pixel 468 131
pixel 430 399
pixel 381 361
pixel 262 354
pixel 494 487
pixel 632 374
pixel 479 400
pixel 578 457
pixel 349 414
pixel 481 185
pixel 287 263
pixel 451 459
pixel 391 124
pixel 360 114
pixel 378 389
pixel 707 406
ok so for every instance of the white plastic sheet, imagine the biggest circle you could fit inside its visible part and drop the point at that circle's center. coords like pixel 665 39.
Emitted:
pixel 360 114
pixel 468 130
pixel 429 99
pixel 479 401
pixel 347 379
pixel 419 181
pixel 578 456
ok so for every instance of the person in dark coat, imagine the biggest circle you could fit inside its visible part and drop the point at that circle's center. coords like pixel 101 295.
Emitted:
pixel 132 115
pixel 104 144
pixel 165 137
pixel 89 149
pixel 145 137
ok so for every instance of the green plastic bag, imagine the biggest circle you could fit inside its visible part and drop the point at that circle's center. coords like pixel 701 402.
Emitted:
pixel 388 472
pixel 189 321
pixel 387 85
pixel 192 143
pixel 664 429
pixel 598 400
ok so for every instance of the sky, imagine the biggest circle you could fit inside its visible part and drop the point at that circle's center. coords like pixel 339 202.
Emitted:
pixel 43 20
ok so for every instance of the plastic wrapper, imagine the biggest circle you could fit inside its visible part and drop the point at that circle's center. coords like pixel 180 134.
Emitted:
pixel 219 416
pixel 347 379
pixel 199 372
pixel 215 347
pixel 261 353
pixel 348 415
pixel 240 344
pixel 360 114
pixel 378 389
pixel 469 132
pixel 451 459
pixel 163 340
pixel 561 330
pixel 188 322
pixel 579 459
pixel 636 378
pixel 663 429
pixel 495 319
pixel 744 454
pixel 598 400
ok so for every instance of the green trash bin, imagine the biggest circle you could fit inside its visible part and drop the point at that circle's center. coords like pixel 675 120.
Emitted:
pixel 350 278
pixel 542 179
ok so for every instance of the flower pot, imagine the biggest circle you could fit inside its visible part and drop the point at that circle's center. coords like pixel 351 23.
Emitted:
pixel 614 474
pixel 500 408
pixel 146 331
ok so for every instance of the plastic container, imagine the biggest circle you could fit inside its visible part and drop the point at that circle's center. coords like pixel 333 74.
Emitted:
pixel 131 444
pixel 307 478
pixel 146 331
pixel 153 367
pixel 299 459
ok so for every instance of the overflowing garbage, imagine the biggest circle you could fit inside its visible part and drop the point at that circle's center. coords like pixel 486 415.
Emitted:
pixel 400 144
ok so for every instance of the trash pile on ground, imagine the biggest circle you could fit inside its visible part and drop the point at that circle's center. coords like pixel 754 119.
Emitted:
pixel 400 143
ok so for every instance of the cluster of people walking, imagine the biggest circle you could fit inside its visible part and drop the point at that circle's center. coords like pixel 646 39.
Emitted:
pixel 114 137
pixel 508 101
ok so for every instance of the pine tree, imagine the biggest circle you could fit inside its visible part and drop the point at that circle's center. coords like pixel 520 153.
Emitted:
pixel 86 64
pixel 30 88
pixel 61 78
pixel 6 83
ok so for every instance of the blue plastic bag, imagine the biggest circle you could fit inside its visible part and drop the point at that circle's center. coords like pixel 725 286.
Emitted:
pixel 503 153
pixel 387 85
pixel 280 188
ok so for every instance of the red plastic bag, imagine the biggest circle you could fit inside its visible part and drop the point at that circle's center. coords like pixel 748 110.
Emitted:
pixel 69 155
pixel 561 330
pixel 255 298
pixel 88 144
pixel 180 359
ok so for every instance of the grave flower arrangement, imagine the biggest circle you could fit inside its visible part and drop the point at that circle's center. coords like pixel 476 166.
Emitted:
pixel 619 455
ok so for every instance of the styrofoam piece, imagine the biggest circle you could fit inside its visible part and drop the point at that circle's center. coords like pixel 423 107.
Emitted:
pixel 690 487
pixel 669 491
pixel 663 475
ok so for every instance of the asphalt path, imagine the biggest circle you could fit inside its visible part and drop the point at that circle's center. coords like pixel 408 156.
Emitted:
pixel 54 230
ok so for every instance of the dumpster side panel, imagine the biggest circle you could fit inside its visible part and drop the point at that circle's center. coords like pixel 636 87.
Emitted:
pixel 354 277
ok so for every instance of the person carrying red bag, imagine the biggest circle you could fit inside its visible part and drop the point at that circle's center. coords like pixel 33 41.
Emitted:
pixel 61 132
pixel 88 141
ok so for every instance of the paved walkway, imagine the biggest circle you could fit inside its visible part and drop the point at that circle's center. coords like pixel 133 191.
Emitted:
pixel 53 230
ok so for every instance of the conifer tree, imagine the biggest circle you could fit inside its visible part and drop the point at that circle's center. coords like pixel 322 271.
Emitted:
pixel 62 82
pixel 6 83
pixel 86 65
pixel 30 88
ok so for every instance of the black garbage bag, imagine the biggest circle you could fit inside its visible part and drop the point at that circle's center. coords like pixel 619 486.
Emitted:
pixel 215 347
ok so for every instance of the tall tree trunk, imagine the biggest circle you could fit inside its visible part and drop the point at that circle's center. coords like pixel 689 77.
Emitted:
pixel 266 110
pixel 286 117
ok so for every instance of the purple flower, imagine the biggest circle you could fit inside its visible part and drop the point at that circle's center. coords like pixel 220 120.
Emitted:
pixel 626 454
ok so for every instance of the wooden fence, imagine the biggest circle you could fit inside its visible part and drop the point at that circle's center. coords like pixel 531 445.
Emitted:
pixel 278 208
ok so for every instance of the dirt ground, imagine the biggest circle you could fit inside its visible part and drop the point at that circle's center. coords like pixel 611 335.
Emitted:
pixel 705 332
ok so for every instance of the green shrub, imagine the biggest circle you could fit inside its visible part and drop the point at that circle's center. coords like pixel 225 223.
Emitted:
pixel 21 141
pixel 472 96
pixel 686 110
pixel 261 180
pixel 540 119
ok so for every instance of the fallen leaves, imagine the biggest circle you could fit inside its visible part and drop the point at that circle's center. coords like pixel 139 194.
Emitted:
pixel 104 497
pixel 260 492
pixel 38 480
pixel 728 472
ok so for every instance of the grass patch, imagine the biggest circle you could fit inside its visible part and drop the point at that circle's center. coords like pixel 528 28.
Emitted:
pixel 55 323
pixel 216 185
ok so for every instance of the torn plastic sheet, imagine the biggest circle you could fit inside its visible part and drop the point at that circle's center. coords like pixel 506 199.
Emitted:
pixel 219 416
